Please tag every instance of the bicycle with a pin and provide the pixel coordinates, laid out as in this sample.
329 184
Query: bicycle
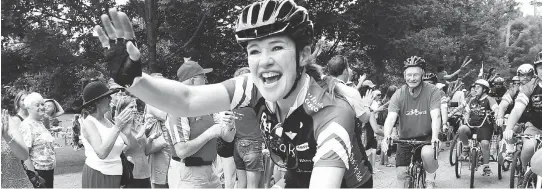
458 121
416 172
520 177
474 157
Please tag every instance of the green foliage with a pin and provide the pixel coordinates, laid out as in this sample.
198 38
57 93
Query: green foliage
48 46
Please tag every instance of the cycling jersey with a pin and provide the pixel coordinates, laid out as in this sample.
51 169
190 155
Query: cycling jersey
531 96
317 132
414 111
479 108
509 97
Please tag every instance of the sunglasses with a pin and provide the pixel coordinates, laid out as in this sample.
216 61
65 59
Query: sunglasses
277 144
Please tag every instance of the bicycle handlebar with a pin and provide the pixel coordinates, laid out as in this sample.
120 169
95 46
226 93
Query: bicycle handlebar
416 142
482 124
527 136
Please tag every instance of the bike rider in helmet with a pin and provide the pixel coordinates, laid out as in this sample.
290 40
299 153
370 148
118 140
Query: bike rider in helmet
307 131
479 112
525 73
497 89
416 106
528 102
431 78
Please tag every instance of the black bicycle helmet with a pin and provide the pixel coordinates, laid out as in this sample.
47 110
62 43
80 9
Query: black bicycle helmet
538 59
273 17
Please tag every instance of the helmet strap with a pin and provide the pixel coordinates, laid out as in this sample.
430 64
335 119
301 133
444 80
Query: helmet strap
299 71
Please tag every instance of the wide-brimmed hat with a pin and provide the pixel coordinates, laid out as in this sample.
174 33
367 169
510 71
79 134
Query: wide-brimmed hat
95 91
59 110
190 69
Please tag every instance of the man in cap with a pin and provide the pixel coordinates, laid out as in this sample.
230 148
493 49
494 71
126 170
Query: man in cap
194 139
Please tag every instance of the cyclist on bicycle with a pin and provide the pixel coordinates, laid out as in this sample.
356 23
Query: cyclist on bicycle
525 73
417 107
528 101
498 89
431 78
306 130
478 108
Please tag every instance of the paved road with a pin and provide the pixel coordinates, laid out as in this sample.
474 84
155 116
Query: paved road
70 164
385 177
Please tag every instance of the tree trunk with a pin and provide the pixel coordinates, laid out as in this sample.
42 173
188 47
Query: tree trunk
151 23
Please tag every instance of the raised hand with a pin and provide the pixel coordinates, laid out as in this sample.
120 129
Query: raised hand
316 52
124 120
362 78
466 62
121 54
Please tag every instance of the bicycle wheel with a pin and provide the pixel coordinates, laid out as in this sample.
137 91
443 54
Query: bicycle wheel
473 164
458 164
529 181
453 158
420 180
499 161
516 170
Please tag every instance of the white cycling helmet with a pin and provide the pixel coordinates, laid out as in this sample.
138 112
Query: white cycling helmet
482 82
525 69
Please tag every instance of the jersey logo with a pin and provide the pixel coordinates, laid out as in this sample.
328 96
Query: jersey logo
537 102
415 112
313 103
302 147
290 134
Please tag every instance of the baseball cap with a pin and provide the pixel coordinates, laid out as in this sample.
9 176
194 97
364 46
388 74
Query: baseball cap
190 69
368 83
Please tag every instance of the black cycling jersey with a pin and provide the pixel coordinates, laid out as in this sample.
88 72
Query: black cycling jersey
319 131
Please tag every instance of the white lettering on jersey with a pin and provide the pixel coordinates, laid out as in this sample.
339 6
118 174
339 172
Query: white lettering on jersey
302 147
415 112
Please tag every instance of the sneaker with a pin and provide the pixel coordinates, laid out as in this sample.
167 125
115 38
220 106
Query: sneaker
430 180
487 171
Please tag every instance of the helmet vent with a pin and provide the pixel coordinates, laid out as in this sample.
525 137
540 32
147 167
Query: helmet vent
245 15
285 10
255 11
269 8
297 18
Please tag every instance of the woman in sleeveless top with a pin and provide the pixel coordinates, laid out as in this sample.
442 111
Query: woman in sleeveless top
102 139
13 151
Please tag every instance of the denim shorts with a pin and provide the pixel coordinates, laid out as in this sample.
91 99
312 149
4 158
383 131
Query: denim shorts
248 155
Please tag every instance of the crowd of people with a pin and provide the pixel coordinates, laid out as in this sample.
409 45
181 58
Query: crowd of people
281 122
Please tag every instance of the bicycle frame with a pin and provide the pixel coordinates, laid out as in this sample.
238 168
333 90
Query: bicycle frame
538 146
415 169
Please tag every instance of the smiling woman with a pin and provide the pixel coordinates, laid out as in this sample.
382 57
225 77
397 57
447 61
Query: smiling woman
276 35
39 140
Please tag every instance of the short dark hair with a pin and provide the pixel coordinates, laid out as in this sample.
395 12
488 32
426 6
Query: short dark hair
337 65
440 68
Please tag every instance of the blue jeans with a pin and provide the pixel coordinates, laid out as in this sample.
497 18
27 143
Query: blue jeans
248 155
